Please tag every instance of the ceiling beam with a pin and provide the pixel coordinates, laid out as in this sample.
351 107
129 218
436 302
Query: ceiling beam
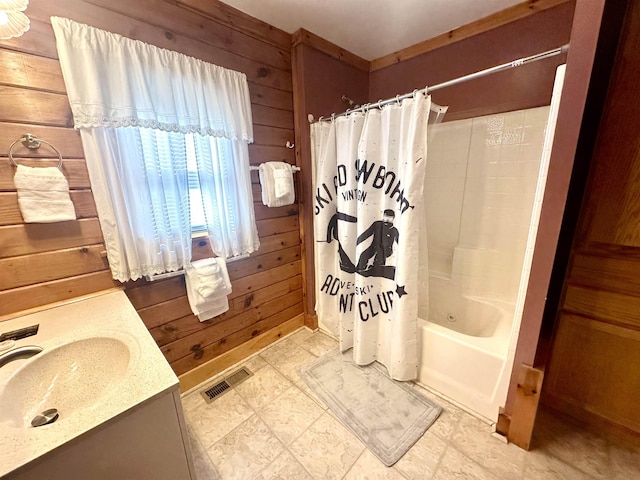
305 37
498 19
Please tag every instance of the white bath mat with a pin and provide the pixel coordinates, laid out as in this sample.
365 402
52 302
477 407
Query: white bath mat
388 416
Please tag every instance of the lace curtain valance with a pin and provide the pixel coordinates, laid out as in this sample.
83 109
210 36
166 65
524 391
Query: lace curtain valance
146 86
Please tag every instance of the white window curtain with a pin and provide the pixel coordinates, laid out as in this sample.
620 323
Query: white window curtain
143 112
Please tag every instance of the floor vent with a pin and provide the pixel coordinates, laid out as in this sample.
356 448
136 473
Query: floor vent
236 378
226 384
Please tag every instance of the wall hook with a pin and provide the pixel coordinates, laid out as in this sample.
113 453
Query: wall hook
30 141
289 144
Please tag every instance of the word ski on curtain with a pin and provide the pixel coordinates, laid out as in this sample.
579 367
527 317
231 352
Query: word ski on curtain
369 172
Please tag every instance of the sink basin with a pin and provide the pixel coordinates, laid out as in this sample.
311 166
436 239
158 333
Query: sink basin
70 378
99 368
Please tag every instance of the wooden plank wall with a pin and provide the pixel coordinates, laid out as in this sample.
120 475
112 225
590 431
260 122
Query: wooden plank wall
45 263
322 73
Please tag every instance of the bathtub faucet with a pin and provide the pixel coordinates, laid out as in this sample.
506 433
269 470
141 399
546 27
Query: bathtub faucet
19 352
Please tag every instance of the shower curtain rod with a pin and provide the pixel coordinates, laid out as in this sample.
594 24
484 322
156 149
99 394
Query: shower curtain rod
505 66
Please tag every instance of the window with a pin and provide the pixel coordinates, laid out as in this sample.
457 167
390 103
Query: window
166 141
213 198
196 208
168 153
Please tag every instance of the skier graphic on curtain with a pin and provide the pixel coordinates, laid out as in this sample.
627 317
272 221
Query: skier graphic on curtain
346 265
372 261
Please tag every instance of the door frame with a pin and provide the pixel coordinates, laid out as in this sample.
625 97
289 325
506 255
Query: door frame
594 38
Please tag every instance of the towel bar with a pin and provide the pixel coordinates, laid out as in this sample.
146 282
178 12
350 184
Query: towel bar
160 276
33 143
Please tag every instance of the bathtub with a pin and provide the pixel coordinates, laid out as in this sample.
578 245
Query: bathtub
463 347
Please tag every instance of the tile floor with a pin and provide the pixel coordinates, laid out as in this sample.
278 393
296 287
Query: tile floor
273 427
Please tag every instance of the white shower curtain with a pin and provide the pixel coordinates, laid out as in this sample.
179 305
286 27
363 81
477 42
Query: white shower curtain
368 180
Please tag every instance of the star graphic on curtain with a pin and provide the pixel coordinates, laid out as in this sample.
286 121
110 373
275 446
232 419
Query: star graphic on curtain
400 290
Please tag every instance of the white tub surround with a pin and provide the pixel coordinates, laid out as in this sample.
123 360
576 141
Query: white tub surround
533 227
464 346
480 185
104 425
482 178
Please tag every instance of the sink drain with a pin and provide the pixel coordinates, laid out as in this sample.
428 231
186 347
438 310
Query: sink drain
451 317
45 418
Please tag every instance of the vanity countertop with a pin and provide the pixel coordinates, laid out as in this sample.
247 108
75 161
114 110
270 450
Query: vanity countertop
108 315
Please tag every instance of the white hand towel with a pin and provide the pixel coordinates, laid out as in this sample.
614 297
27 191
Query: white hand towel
208 285
215 308
276 179
43 195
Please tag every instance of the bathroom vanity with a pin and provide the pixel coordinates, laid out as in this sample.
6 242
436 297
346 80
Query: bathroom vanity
108 402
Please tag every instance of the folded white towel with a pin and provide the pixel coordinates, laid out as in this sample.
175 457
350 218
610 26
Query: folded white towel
215 308
208 285
43 195
276 179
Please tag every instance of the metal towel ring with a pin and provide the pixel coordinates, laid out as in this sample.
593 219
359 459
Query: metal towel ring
32 142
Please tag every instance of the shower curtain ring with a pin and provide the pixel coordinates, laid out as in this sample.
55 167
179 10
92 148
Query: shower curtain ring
333 116
398 99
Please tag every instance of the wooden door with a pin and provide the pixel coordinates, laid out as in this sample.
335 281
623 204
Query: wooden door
594 371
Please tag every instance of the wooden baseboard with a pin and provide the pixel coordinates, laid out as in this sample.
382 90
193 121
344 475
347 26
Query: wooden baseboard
311 321
525 405
214 366
504 423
